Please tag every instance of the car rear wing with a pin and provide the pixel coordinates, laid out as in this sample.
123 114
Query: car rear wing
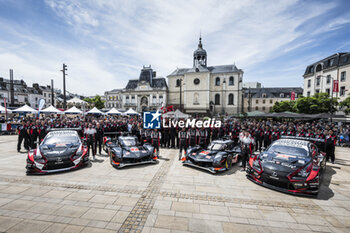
65 129
303 138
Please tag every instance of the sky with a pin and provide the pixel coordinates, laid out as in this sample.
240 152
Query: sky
106 43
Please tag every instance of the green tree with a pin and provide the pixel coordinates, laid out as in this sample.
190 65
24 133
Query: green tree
283 106
96 102
319 103
345 105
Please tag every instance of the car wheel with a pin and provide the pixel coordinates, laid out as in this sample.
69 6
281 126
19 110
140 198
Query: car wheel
228 163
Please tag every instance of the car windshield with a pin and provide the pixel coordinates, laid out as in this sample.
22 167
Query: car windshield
61 139
128 141
216 146
289 150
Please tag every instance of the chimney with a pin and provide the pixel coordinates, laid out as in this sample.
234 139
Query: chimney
12 90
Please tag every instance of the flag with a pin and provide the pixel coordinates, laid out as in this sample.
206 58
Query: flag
335 86
292 96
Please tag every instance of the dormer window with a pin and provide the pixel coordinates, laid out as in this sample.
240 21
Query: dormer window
263 95
178 82
282 95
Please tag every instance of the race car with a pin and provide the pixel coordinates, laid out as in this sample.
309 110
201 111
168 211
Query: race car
291 164
127 151
217 157
61 150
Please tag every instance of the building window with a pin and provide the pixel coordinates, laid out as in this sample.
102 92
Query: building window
346 59
331 62
282 95
154 99
318 67
44 94
109 97
231 81
217 99
161 99
342 91
264 101
263 108
230 99
309 83
343 76
311 69
317 91
256 108
196 81
318 80
178 82
328 91
328 79
217 81
127 99
263 95
308 94
196 99
271 101
257 101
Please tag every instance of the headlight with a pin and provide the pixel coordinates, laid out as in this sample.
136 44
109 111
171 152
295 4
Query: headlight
303 173
38 157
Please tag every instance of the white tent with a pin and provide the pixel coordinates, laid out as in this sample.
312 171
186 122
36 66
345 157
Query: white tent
25 109
113 111
130 112
51 109
73 110
94 111
3 110
76 100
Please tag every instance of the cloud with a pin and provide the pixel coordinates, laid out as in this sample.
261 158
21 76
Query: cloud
105 43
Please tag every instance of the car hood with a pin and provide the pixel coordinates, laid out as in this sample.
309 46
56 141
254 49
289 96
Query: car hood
282 162
135 152
204 155
50 151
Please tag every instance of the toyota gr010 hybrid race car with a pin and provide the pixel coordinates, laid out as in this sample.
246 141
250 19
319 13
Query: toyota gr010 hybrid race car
61 150
127 151
293 165
218 156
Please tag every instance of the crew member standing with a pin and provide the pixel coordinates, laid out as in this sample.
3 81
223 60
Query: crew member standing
202 137
247 143
34 132
90 134
182 141
98 138
330 146
192 136
22 132
156 137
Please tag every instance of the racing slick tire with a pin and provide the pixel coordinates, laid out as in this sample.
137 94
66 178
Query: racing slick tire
228 163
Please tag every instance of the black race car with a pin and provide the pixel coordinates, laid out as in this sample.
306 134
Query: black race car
218 156
292 164
127 151
61 150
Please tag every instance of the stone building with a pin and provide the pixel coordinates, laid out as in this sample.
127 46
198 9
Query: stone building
206 89
319 76
262 99
113 99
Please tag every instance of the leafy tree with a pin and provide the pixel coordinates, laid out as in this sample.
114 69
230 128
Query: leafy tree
96 102
319 103
283 106
345 104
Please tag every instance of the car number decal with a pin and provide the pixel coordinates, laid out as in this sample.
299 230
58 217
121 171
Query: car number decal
205 152
134 149
285 156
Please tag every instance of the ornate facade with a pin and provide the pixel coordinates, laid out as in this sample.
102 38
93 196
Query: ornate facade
206 89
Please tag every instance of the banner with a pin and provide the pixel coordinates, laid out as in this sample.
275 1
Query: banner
3 127
335 86
292 96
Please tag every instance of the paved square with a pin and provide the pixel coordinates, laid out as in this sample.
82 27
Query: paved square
165 197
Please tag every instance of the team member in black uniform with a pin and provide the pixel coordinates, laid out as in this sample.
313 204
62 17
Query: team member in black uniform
34 132
90 134
202 137
330 145
99 138
182 141
156 137
192 137
22 132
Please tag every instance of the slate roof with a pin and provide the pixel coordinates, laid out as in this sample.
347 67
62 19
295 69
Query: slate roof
156 83
340 59
211 69
272 92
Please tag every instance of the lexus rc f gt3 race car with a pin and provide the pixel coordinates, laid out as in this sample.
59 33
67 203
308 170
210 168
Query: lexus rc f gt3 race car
218 156
127 151
291 164
61 150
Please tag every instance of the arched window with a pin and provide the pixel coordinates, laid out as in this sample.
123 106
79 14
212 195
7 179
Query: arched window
231 81
178 82
230 99
217 99
217 81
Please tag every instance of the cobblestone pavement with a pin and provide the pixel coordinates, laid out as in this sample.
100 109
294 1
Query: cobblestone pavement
165 197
